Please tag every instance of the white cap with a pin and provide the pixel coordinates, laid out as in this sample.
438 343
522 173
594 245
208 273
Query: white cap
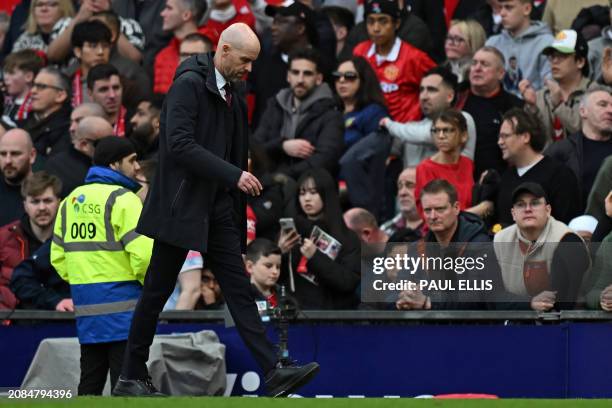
583 223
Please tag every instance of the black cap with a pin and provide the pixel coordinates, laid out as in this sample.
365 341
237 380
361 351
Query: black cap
389 7
528 187
300 11
112 149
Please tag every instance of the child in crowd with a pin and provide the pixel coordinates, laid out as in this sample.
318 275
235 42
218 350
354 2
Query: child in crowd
263 261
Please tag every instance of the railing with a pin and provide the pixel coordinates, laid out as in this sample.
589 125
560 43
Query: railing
357 316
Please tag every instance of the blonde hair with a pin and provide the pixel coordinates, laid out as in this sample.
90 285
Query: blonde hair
66 10
475 35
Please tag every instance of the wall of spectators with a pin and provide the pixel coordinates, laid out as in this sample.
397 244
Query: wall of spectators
372 122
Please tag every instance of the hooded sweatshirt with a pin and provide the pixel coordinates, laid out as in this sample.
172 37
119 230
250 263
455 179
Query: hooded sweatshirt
292 116
527 48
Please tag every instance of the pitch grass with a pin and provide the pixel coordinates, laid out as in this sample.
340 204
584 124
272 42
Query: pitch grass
237 402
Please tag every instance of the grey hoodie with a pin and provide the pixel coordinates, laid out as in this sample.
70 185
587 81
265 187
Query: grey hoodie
527 48
292 116
596 48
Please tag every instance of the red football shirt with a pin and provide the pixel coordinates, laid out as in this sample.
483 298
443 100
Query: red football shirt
400 75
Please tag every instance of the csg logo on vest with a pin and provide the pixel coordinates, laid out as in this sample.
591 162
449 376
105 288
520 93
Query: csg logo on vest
80 206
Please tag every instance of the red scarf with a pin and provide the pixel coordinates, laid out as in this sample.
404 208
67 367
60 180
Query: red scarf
449 10
77 89
272 301
26 107
119 127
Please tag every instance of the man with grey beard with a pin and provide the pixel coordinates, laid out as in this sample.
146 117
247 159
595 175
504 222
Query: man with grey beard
17 154
585 151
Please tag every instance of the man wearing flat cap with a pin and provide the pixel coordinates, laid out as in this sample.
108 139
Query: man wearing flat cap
542 260
96 249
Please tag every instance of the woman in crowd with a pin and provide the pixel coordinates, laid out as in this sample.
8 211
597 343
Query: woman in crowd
361 98
41 20
362 166
449 133
464 38
321 265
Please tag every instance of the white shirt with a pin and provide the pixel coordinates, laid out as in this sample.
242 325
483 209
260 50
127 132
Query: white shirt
221 81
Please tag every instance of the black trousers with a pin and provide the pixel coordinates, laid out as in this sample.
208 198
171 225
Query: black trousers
225 261
96 359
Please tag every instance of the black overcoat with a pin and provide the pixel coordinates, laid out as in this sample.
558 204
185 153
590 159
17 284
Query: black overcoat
193 142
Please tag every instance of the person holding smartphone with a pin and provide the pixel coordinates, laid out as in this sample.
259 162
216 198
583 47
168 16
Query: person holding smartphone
318 277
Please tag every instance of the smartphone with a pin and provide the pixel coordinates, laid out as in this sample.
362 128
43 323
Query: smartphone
287 225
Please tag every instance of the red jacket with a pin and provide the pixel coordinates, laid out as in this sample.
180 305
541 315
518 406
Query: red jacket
243 15
14 248
400 77
166 61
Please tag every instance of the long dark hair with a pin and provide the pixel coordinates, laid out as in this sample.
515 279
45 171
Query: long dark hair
369 91
331 217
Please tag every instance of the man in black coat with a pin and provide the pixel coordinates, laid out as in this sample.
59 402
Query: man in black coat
38 286
196 202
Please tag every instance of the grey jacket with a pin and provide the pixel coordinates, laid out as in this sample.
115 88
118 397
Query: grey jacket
596 47
527 48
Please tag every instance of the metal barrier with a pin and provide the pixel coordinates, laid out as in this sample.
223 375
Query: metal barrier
364 316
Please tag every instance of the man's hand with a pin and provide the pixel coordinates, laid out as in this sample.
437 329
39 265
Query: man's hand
286 241
606 65
300 148
556 96
384 122
411 300
65 305
529 94
544 301
86 10
608 204
605 299
249 184
308 248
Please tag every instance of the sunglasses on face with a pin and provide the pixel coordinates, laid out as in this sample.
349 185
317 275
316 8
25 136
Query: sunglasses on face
348 76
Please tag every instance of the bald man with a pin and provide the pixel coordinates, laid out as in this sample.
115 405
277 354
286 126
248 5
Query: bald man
17 155
198 202
71 166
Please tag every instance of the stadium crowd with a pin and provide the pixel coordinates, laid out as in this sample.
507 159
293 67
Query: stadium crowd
372 122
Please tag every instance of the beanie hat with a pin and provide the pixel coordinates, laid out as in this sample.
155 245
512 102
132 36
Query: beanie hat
112 149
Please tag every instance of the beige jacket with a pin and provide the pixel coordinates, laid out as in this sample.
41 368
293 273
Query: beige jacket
567 112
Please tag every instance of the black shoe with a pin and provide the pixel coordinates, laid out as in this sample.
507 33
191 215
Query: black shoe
136 388
282 381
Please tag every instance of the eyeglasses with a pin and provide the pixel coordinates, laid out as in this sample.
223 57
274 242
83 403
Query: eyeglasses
447 131
41 87
454 39
348 76
558 56
47 4
522 205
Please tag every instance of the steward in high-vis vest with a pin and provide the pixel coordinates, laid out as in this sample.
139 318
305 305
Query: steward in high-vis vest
96 249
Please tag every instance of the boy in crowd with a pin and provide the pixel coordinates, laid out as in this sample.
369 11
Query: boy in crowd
20 68
263 261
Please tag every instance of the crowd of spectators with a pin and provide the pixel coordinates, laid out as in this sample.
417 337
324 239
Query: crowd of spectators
372 122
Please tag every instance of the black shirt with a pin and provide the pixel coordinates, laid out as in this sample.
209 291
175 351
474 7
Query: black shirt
594 154
487 114
11 203
557 180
